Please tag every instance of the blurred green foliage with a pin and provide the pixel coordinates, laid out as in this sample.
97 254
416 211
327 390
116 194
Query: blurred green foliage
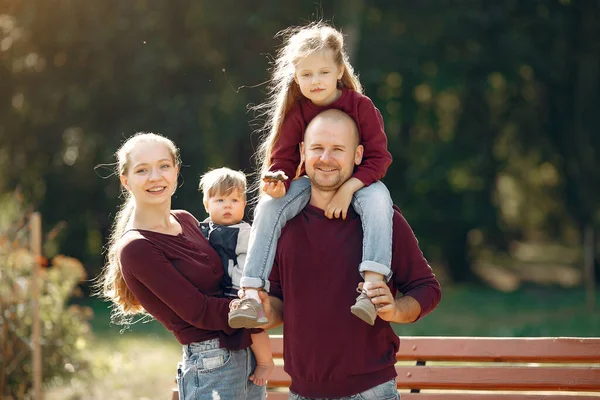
490 107
64 329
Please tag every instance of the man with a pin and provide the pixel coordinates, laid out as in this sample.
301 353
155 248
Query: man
330 353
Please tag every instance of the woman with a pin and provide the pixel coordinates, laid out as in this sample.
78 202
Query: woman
160 263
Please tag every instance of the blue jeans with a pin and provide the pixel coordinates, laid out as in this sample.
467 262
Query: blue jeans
209 372
385 391
373 203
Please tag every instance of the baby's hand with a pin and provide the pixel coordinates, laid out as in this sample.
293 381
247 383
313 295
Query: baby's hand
273 184
338 206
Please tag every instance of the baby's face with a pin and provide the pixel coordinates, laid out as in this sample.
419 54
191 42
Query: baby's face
226 209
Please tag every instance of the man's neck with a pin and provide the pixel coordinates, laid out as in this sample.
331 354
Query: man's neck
320 199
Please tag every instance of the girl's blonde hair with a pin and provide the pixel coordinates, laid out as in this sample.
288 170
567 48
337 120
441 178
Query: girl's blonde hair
221 182
111 284
298 43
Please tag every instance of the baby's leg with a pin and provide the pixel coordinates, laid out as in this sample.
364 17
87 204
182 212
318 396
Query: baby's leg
270 217
374 205
261 347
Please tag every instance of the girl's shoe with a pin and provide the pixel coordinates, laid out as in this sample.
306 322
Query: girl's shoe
363 308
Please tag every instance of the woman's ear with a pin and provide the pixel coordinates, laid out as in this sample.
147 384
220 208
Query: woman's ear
123 179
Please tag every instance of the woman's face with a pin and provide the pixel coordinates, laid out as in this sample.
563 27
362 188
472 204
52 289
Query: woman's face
151 177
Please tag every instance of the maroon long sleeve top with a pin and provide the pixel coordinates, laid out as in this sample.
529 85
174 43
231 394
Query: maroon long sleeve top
376 158
177 281
329 352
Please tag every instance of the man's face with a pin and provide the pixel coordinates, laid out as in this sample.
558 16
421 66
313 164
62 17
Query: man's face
330 151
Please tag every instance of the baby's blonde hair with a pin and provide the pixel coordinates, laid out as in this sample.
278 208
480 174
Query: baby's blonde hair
298 43
221 182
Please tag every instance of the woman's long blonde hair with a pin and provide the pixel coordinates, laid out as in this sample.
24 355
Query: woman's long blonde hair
298 42
111 285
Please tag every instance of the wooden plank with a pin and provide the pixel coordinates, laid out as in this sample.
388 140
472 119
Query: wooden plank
490 396
277 345
279 378
500 378
35 226
481 349
452 396
559 350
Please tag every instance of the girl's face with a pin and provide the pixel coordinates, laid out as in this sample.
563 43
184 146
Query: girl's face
152 174
317 75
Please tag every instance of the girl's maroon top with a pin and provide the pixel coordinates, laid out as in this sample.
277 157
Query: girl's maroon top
376 158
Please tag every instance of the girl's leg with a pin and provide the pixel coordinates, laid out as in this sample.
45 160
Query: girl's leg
374 205
269 219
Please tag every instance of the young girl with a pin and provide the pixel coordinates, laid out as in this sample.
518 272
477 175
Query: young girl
312 74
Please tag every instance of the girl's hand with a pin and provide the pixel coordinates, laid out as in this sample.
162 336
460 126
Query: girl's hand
338 206
274 189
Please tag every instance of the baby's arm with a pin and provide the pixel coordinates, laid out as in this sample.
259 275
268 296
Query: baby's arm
261 346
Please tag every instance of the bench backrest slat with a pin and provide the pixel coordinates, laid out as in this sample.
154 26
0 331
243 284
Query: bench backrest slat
500 349
429 348
578 379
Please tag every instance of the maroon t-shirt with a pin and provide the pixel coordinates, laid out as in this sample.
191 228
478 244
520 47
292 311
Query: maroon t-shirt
328 351
177 281
376 157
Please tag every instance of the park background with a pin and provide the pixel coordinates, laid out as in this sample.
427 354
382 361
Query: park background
491 111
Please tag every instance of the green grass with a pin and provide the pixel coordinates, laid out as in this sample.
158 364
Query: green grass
140 363
533 311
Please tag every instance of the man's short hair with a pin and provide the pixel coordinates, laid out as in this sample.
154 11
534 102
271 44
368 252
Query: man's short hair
222 182
336 116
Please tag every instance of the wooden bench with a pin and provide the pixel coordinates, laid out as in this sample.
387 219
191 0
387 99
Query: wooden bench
444 368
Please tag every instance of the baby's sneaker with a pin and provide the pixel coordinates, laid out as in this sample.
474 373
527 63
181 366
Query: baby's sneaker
246 313
364 308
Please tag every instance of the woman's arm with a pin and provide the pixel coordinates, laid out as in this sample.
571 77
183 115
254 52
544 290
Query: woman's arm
157 284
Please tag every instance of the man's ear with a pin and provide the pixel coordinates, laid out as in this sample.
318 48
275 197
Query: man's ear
123 179
358 154
205 205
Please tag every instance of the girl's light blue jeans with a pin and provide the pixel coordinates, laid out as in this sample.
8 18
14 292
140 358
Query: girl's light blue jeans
209 372
373 203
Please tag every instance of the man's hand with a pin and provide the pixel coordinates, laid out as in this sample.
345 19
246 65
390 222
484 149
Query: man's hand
402 310
273 310
274 189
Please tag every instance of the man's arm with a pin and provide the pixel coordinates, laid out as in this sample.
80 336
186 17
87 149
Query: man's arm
403 310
